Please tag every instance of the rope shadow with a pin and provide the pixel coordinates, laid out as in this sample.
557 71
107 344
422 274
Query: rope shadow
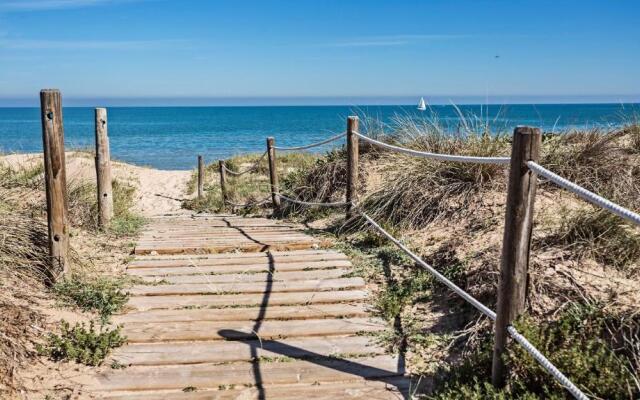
391 378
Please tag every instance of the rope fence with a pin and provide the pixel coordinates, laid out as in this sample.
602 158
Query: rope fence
312 145
585 194
435 156
252 168
518 219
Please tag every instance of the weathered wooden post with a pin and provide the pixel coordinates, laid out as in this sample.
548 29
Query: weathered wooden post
352 163
223 183
55 177
103 169
273 173
512 288
200 177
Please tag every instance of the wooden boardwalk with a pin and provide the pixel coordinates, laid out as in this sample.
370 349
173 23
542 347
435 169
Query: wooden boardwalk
246 308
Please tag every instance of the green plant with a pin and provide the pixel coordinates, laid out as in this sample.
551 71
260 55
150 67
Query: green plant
102 295
82 344
581 343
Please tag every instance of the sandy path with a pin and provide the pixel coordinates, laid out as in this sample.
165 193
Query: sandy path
158 192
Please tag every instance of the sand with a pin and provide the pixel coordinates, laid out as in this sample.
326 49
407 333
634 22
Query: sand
159 192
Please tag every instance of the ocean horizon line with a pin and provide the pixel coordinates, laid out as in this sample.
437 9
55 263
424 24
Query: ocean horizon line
320 101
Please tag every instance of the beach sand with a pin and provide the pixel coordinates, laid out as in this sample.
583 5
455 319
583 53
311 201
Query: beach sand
159 192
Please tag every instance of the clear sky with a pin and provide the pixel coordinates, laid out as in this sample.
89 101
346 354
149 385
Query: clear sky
571 50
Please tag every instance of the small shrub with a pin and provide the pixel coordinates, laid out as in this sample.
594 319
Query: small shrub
579 343
398 293
82 344
102 295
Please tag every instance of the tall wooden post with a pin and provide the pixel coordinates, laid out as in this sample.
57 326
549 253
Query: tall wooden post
273 173
512 288
200 176
223 184
352 163
103 169
55 178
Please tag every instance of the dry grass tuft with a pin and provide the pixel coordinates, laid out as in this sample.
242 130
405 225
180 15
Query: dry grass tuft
419 191
602 161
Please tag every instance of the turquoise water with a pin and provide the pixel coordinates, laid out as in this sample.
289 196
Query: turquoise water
171 137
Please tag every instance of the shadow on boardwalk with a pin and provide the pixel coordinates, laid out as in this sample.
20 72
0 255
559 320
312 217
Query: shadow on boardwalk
338 364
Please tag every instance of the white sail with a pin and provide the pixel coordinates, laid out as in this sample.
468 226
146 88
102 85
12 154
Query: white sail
422 105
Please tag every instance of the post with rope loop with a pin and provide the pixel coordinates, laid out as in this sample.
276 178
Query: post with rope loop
352 163
273 174
200 177
513 282
223 184
55 180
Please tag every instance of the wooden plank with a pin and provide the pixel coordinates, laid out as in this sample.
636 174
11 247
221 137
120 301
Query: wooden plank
235 269
293 245
204 376
242 330
300 311
249 287
239 300
230 351
228 259
391 389
250 277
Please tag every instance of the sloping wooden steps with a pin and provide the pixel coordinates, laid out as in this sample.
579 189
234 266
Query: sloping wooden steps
257 323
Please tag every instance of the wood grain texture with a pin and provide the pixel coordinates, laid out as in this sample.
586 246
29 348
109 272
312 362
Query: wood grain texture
103 168
352 163
278 324
55 179
273 173
514 270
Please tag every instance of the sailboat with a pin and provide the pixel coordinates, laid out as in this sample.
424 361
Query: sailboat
422 106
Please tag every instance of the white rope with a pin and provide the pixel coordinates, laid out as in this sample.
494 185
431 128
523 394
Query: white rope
535 353
252 168
585 194
308 146
309 203
246 205
470 299
546 364
437 156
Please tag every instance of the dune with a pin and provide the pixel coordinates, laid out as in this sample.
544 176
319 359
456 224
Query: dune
159 192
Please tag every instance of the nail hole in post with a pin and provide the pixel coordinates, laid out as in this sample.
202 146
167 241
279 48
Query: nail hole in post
50 115
56 237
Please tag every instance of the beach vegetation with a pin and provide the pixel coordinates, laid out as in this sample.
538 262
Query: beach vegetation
82 343
103 295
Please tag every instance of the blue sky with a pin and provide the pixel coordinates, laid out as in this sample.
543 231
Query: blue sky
336 50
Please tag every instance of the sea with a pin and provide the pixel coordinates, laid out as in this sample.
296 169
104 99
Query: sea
170 138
